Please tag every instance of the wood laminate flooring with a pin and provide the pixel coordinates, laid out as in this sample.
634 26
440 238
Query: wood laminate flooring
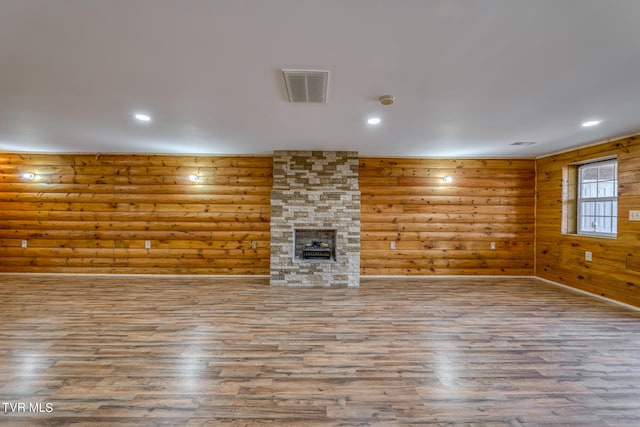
184 351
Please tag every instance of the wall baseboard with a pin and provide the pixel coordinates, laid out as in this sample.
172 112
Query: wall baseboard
451 276
221 276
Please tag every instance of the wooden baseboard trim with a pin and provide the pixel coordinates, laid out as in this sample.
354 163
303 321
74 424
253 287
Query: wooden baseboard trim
461 276
221 276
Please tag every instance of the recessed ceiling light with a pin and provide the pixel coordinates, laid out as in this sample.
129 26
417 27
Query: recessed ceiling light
591 123
373 120
142 117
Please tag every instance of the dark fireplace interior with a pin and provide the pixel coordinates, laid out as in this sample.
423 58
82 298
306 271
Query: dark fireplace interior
315 245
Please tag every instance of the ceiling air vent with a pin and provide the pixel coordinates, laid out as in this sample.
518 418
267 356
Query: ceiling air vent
306 85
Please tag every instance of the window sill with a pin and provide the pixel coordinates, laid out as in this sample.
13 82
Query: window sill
597 236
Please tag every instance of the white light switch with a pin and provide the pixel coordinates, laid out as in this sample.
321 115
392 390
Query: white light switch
147 244
392 245
634 215
492 245
588 256
24 244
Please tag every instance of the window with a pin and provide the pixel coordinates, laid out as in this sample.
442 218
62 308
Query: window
598 199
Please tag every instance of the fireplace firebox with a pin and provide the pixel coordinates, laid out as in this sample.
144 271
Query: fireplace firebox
314 245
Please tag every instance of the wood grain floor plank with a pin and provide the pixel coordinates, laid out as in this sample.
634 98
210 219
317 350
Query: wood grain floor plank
185 351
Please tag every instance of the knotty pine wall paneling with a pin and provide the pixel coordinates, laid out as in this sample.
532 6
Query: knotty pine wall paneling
447 229
93 214
614 271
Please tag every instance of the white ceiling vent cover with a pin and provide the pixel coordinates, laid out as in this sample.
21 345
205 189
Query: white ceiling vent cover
306 85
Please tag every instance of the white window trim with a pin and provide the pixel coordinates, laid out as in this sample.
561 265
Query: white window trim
580 199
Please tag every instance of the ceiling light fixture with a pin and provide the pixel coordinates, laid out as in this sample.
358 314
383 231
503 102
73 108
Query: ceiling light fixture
29 175
194 178
591 123
374 120
142 117
523 143
447 179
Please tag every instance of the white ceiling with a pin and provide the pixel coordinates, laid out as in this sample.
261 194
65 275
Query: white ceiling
469 77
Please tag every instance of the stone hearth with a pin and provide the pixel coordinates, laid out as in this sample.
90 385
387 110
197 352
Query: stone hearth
315 190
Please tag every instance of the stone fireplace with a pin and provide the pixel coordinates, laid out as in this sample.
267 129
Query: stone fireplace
315 219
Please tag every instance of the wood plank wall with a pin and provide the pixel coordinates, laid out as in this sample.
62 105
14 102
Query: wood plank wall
446 229
93 214
615 269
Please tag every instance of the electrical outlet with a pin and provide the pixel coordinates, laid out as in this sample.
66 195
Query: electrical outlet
24 244
588 256
492 245
392 245
147 244
634 215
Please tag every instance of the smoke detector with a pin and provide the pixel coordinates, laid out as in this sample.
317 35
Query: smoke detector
306 85
387 99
